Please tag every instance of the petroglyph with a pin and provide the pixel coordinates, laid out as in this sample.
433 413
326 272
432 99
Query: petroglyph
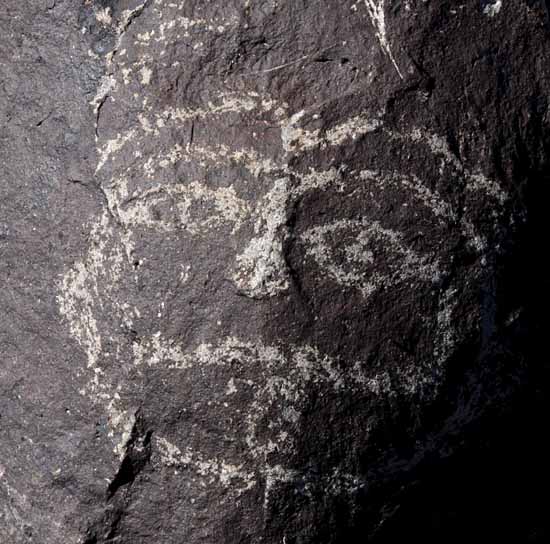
231 189
261 267
476 181
211 469
271 379
358 267
228 208
296 139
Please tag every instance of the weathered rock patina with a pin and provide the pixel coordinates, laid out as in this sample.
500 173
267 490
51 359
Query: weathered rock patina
261 261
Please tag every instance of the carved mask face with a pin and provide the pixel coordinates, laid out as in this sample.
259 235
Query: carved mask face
271 274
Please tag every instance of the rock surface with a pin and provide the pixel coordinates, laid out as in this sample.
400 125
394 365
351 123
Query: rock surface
272 271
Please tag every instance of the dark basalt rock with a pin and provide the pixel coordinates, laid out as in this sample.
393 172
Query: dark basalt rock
273 271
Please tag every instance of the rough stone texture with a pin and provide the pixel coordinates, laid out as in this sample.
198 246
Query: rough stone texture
272 271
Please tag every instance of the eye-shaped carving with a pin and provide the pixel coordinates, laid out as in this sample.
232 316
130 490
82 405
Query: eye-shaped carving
373 258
